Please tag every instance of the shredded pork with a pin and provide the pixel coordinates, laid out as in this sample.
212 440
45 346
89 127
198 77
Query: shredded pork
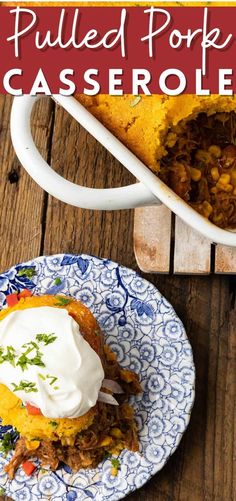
201 166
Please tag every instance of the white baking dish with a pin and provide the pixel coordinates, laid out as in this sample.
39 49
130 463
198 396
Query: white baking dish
149 191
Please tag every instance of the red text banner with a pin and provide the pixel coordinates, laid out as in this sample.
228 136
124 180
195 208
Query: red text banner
117 50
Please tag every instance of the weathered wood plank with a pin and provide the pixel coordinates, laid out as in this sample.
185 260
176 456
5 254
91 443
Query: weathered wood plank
225 259
192 254
81 159
21 199
152 238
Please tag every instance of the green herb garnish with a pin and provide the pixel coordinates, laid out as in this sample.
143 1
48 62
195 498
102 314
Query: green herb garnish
28 272
46 338
6 444
57 281
115 463
2 491
53 423
53 379
27 386
62 301
24 360
135 101
7 356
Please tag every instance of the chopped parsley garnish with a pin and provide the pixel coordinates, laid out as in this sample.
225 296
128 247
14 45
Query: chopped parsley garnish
8 355
57 281
54 424
62 301
135 101
53 379
2 491
28 272
7 443
24 360
26 386
115 463
46 338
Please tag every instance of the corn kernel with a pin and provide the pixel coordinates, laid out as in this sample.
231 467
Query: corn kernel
207 208
218 218
195 174
106 441
234 192
171 139
215 151
224 179
233 177
227 188
116 432
215 173
213 190
32 445
114 471
203 156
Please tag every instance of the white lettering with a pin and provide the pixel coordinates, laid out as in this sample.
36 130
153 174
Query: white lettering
18 34
182 82
114 81
141 78
225 82
6 82
40 85
94 84
63 79
199 90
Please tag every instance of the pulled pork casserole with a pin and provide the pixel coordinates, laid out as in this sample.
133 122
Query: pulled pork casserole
188 141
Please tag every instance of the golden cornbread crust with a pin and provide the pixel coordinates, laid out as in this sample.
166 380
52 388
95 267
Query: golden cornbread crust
146 127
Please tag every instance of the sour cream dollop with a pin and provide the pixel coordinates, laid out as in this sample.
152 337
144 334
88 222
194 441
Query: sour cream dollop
68 382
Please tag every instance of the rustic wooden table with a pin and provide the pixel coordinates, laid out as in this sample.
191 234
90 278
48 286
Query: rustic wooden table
33 223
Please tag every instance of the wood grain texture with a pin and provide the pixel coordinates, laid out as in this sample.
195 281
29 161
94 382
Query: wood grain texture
225 259
152 238
192 252
203 467
21 199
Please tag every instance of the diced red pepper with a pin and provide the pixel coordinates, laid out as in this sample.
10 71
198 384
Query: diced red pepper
28 468
12 299
32 410
25 293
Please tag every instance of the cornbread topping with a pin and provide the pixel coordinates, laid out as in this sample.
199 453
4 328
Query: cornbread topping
46 362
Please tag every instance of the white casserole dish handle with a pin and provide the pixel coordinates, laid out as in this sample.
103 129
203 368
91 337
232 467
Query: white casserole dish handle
149 191
127 197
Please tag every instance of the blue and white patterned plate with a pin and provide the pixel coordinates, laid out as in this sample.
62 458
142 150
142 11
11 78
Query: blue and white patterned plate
148 337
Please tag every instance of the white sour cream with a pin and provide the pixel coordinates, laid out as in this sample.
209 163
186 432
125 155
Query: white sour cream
69 384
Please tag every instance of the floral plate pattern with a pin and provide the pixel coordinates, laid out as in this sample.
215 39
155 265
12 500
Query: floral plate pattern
144 331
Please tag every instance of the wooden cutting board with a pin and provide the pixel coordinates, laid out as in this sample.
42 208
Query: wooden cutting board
163 243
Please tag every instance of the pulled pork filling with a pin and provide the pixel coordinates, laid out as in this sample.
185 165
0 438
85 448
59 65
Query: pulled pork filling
201 166
112 430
